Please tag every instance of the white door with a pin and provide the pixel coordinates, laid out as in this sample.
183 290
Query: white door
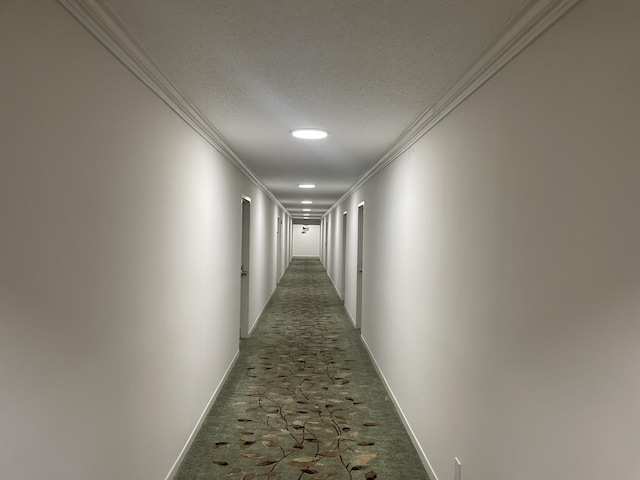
279 249
344 256
359 263
244 268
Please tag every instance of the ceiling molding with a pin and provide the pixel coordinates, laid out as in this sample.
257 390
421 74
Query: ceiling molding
531 23
104 25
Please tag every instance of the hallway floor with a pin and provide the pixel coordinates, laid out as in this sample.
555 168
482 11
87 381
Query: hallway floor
303 401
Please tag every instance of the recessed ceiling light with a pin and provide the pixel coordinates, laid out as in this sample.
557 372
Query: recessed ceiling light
309 133
306 202
306 209
306 185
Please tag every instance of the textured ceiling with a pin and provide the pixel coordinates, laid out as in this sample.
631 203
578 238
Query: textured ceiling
363 70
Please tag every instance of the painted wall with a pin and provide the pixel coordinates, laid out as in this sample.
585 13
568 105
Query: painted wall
263 267
119 260
306 244
501 266
284 254
333 256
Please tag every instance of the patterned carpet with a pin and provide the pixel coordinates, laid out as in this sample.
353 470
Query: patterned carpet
303 401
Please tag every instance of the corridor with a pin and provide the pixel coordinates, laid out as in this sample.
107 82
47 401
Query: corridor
473 200
303 400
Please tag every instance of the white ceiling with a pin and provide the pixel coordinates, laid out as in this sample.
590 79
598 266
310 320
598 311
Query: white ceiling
364 70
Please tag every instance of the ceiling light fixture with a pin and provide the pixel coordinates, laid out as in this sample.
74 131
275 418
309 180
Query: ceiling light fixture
306 209
309 133
306 185
306 202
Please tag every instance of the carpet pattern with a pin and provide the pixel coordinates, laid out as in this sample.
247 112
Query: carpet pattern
303 400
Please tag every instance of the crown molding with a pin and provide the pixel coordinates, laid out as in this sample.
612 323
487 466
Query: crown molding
530 24
535 19
96 17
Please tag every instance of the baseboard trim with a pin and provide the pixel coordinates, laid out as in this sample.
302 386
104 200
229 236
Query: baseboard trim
412 435
196 429
533 21
105 26
335 287
264 307
255 324
351 318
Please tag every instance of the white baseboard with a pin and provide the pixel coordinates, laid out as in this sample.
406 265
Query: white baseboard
351 318
343 302
412 436
194 432
335 287
255 324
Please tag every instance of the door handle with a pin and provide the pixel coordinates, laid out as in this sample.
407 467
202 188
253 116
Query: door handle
359 270
244 273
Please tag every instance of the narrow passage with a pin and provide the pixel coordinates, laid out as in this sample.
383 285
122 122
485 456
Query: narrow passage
303 401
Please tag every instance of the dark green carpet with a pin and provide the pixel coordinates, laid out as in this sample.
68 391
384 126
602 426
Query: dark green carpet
303 400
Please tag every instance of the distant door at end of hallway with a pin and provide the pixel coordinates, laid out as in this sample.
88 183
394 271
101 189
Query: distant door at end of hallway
244 267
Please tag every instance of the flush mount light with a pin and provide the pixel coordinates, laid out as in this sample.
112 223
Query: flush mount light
306 209
306 185
306 202
309 133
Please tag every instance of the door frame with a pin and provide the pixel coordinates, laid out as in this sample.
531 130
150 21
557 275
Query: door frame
245 264
359 264
343 286
278 248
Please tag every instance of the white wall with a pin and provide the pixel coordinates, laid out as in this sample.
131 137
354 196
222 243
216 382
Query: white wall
119 260
501 266
263 251
285 228
306 244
